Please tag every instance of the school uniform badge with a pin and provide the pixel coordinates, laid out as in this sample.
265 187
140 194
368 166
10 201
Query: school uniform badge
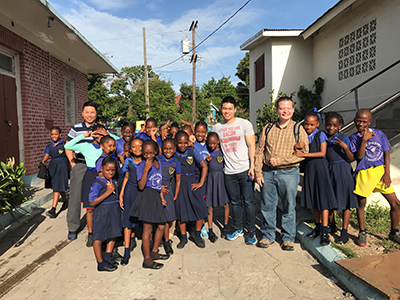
220 159
171 170
189 160
60 151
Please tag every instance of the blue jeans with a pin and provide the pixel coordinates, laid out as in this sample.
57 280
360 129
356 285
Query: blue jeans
238 185
279 184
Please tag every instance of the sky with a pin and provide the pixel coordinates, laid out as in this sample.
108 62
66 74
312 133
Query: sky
114 27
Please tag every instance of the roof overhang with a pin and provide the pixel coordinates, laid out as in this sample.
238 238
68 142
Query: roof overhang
265 34
330 14
39 23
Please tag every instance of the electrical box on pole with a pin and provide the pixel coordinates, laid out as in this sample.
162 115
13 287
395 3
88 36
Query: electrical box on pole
185 46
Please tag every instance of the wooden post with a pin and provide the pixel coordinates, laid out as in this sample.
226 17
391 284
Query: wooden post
146 75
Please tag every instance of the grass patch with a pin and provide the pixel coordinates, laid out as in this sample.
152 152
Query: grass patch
377 219
388 244
345 250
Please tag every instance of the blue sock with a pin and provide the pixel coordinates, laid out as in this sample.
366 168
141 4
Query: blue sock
127 252
102 264
183 237
107 256
325 229
318 226
90 233
197 233
344 235
210 230
226 226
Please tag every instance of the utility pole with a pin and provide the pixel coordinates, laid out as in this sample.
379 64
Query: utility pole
146 75
192 28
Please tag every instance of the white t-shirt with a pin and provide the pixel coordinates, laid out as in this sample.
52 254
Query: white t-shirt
233 144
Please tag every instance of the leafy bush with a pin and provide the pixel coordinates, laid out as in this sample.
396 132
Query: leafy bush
310 99
11 185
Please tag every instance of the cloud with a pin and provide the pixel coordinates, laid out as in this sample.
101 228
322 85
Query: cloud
111 4
121 37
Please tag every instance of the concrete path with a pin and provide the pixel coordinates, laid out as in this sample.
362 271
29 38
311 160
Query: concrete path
38 262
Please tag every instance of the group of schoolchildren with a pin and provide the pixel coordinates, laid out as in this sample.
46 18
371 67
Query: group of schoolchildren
148 180
161 175
329 184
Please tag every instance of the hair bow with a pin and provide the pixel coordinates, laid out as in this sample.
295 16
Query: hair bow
316 111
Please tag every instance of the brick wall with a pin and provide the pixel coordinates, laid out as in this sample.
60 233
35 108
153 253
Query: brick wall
42 93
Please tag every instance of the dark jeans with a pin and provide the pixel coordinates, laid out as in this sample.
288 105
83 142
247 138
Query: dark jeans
238 185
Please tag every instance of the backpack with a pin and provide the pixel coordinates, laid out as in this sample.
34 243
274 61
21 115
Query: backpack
296 130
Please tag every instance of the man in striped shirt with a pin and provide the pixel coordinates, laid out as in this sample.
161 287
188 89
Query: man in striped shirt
277 173
78 168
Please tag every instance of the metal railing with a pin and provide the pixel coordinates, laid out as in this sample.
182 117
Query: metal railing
355 89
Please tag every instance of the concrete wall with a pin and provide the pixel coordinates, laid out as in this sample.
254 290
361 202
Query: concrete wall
326 49
288 64
42 95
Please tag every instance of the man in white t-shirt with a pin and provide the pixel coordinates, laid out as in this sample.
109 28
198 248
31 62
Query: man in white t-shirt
238 146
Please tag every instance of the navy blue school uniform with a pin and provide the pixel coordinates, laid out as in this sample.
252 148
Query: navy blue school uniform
216 194
118 173
190 205
106 215
203 151
169 169
148 206
130 192
58 167
341 173
317 191
87 181
119 144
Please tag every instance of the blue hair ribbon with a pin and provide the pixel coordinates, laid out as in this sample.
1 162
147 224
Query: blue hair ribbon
316 111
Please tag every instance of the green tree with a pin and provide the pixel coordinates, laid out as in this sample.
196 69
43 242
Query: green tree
242 88
98 93
186 104
310 99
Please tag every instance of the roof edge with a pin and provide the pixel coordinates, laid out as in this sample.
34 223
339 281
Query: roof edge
268 33
326 17
77 33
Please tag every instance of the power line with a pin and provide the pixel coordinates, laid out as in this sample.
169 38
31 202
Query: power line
211 57
212 33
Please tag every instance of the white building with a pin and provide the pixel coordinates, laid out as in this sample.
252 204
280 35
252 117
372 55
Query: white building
350 42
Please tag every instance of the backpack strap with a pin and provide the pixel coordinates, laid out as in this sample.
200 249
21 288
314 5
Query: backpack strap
268 128
296 129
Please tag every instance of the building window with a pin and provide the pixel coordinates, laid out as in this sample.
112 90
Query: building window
70 100
357 51
6 64
260 73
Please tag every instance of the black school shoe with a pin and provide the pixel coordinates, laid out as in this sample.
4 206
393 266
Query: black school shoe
51 213
182 244
212 237
314 233
125 261
154 265
108 268
168 248
324 239
198 241
64 206
116 256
